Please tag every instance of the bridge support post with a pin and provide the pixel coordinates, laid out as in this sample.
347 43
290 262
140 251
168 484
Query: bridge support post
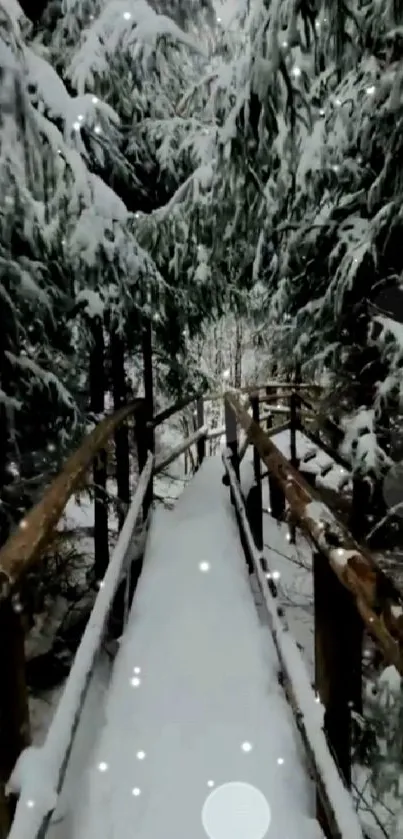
294 427
148 442
255 497
338 649
14 716
201 444
231 433
121 435
97 389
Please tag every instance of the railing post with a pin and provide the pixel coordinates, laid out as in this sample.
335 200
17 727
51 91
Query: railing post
121 435
276 496
231 433
254 502
14 715
338 649
97 391
201 444
294 425
149 435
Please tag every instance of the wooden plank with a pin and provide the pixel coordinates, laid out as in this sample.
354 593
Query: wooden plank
377 599
25 546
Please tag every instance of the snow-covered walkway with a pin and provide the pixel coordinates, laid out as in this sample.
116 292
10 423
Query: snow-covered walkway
194 701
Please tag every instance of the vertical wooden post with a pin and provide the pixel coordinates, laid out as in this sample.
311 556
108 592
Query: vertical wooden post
149 435
14 714
255 500
338 650
97 396
122 432
276 496
293 446
231 433
201 444
293 429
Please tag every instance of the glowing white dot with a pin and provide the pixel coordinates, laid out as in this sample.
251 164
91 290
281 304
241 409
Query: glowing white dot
296 71
80 118
30 803
23 524
280 761
275 575
95 100
101 583
135 682
322 112
127 15
76 126
136 791
269 509
317 25
140 755
371 89
210 783
336 167
337 102
288 537
235 810
246 747
218 20
97 129
204 566
226 375
137 670
103 766
317 697
284 44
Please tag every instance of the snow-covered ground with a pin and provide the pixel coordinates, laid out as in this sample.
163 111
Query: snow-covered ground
195 701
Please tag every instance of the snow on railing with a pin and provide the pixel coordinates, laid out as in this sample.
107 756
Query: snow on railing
335 797
39 773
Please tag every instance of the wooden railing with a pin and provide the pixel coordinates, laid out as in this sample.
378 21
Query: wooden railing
24 551
352 595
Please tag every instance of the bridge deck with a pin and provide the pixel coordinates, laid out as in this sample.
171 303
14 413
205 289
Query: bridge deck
194 699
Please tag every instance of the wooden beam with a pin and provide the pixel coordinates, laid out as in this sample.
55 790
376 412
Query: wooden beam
25 546
190 441
377 599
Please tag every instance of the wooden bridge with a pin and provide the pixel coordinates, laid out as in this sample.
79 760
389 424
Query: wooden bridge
352 594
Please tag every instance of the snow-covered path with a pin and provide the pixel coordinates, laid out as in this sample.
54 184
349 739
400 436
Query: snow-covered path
194 701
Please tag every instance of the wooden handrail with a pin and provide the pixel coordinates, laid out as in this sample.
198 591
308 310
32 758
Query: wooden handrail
377 600
336 800
56 750
166 461
25 545
176 408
